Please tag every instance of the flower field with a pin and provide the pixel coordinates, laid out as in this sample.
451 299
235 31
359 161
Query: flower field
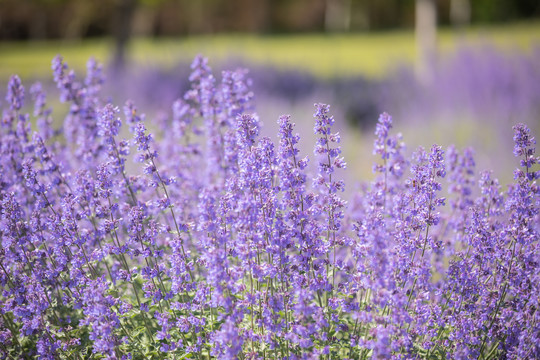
188 234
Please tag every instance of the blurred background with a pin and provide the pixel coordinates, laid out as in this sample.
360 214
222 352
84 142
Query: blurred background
448 71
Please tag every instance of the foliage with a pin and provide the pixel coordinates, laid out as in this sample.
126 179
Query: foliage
216 242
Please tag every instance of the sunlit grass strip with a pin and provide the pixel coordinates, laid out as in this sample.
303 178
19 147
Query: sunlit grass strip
368 54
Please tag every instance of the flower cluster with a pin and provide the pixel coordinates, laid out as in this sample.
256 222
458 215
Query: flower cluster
191 236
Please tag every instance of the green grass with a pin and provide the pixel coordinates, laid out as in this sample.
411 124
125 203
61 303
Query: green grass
368 54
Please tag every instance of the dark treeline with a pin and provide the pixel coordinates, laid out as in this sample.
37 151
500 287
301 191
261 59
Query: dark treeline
48 19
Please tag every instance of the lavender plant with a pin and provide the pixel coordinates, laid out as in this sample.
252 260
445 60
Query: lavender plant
189 236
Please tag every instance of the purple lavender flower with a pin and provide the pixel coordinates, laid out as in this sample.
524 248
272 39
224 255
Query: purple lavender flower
15 94
44 118
108 123
141 139
524 149
65 82
227 343
235 95
99 316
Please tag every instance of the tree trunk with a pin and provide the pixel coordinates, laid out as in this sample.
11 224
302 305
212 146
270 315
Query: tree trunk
337 15
125 10
426 39
460 12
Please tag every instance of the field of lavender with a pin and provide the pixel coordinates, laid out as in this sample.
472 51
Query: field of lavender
189 234
475 97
